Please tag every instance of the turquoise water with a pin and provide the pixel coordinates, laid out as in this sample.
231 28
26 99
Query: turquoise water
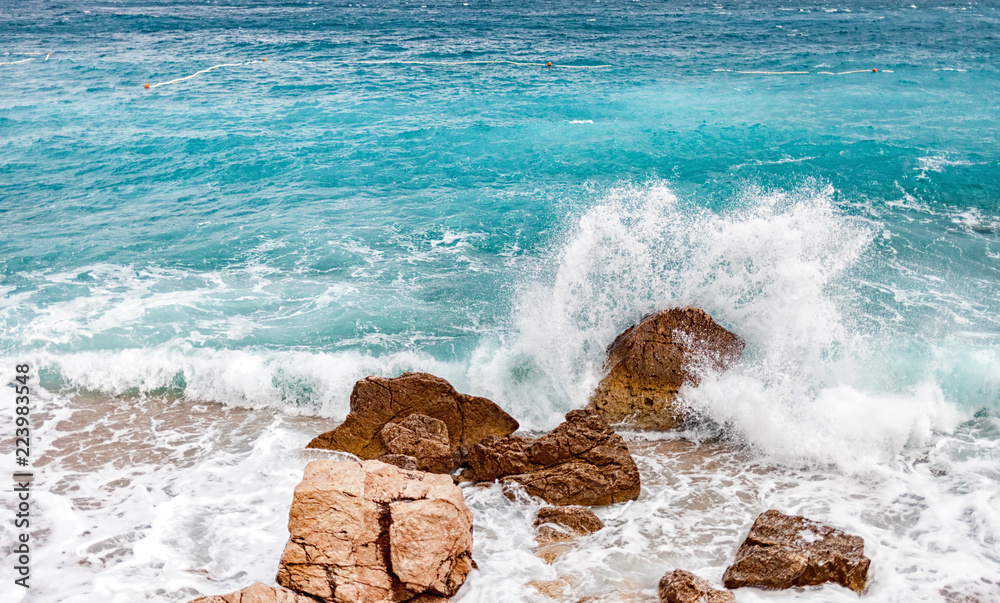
318 202
407 186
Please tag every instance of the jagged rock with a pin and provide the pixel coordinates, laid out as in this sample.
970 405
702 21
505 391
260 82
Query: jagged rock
369 532
581 462
258 593
782 551
650 361
400 460
376 401
680 586
560 524
422 438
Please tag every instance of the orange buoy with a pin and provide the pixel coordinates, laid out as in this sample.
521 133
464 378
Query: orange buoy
264 59
147 86
550 64
875 70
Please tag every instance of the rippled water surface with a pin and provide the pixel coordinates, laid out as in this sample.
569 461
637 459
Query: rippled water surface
199 271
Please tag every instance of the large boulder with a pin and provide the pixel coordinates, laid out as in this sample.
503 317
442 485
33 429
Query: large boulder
369 532
581 462
376 402
258 593
782 551
680 586
649 362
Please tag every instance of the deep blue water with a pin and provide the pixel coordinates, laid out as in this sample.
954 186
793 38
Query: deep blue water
325 212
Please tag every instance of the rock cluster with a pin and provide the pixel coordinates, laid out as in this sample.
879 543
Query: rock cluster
581 462
782 551
649 362
394 528
376 402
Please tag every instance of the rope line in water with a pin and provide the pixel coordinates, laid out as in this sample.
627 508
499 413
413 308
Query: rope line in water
16 62
774 72
394 62
197 73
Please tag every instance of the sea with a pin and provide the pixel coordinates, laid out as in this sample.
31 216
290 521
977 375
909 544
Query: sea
196 272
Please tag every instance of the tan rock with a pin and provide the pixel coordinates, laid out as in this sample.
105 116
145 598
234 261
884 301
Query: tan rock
369 532
581 462
422 438
376 401
550 552
783 551
680 586
258 593
552 589
561 524
650 361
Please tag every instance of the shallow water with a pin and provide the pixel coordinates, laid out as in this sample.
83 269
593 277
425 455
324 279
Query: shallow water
198 272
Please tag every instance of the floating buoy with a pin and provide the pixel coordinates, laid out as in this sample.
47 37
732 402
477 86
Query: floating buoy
147 86
875 70
550 64
264 59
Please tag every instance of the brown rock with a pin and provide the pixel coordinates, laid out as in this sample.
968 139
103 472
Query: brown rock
649 362
783 551
581 462
422 438
400 460
376 401
258 593
560 524
368 532
680 586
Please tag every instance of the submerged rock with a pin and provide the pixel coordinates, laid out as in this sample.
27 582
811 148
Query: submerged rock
560 524
680 586
782 551
368 532
258 593
581 462
376 402
650 361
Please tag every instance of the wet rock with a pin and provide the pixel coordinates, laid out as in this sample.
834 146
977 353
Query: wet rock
400 460
618 597
581 462
649 362
422 438
258 593
561 524
783 551
377 401
552 589
550 552
680 586
369 532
